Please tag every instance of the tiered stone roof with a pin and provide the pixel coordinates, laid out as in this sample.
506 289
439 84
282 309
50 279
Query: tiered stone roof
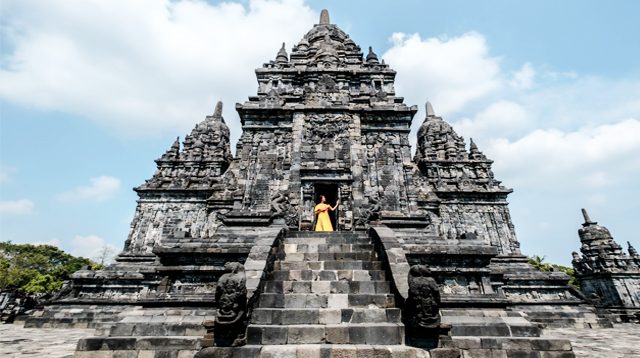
601 253
205 155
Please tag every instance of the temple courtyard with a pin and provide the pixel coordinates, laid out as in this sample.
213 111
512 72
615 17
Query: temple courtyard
16 341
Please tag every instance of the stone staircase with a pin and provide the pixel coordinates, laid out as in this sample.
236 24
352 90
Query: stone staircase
329 289
328 296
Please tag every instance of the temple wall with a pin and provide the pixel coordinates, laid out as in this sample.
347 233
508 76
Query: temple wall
384 176
629 290
158 218
489 222
613 291
326 143
266 158
604 289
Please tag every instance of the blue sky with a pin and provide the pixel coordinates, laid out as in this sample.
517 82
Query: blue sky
92 92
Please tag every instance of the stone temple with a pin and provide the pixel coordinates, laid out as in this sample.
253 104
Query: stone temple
221 259
608 277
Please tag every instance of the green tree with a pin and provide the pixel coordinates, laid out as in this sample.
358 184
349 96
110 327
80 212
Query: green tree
538 262
37 268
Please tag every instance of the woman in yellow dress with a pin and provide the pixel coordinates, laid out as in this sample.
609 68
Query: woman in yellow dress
323 222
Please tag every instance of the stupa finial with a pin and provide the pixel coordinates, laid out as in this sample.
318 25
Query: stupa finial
429 109
472 145
217 113
324 17
587 219
282 56
372 57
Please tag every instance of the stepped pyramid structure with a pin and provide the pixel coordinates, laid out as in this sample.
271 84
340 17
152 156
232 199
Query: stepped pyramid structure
226 241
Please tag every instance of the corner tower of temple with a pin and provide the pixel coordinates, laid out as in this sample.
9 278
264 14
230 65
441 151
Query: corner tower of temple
228 240
608 276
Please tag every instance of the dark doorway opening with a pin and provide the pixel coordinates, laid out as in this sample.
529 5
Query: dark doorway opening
330 192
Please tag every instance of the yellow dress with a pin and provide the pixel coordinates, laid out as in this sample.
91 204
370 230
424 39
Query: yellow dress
323 223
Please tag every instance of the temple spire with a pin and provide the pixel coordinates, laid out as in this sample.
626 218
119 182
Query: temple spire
474 152
632 250
173 152
587 219
324 17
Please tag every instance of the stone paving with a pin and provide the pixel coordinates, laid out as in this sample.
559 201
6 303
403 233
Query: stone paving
16 341
620 341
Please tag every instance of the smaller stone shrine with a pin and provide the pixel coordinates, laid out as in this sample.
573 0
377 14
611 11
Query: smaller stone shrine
608 277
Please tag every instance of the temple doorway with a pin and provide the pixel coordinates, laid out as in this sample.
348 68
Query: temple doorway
330 192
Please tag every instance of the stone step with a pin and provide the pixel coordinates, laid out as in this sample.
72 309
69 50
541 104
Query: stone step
322 240
482 329
328 275
567 317
316 248
279 316
76 322
310 300
87 346
327 287
554 322
328 265
315 350
326 234
476 344
331 256
157 329
365 333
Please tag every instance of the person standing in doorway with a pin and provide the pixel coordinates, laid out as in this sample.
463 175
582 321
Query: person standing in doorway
323 222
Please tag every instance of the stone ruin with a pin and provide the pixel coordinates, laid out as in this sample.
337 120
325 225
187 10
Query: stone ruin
608 277
326 120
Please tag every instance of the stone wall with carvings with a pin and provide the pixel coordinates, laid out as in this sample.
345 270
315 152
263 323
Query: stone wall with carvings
486 222
386 155
264 161
326 143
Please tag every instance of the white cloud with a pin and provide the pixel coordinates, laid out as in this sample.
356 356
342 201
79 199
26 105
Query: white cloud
99 189
6 173
143 66
597 179
16 207
501 118
90 246
523 78
574 159
53 242
449 72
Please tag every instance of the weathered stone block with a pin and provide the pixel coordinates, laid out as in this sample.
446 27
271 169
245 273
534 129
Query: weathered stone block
306 334
274 334
337 334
